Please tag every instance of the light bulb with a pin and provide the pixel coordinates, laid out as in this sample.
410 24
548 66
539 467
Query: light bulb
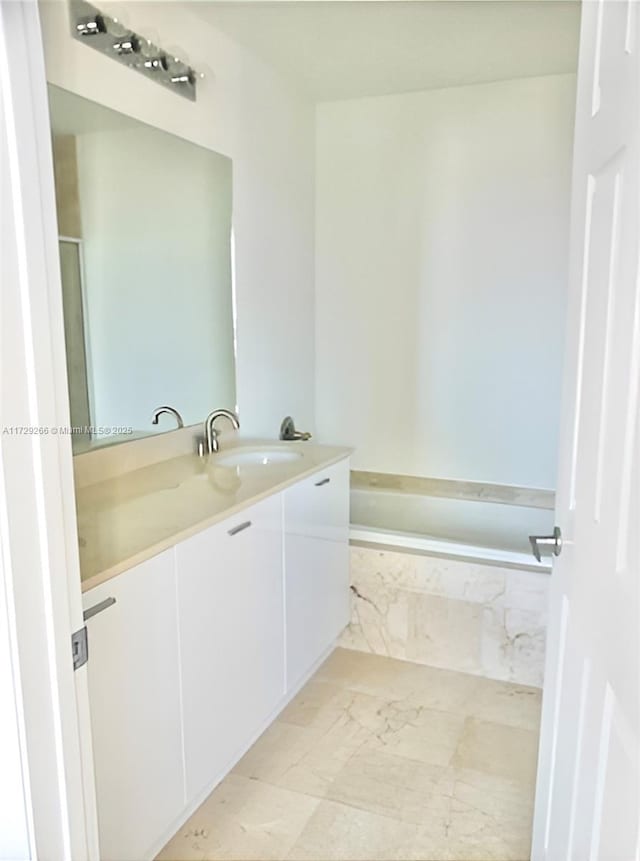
115 27
90 26
126 45
147 49
176 66
158 63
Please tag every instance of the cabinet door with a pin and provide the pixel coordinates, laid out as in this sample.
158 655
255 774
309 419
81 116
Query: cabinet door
316 525
231 618
134 693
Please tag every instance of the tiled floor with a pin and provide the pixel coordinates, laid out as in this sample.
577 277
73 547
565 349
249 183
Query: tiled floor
379 759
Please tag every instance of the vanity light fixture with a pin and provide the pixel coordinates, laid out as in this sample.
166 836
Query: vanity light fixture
111 37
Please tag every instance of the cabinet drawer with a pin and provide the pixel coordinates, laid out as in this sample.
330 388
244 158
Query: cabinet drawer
318 507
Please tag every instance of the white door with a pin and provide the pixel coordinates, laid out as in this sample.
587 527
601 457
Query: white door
39 570
588 799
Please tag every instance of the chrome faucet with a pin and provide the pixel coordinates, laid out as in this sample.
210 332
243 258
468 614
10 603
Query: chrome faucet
169 411
211 434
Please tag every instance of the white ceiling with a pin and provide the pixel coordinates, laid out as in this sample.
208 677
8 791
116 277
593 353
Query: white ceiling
343 50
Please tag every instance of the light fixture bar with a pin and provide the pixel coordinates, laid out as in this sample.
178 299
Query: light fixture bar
107 35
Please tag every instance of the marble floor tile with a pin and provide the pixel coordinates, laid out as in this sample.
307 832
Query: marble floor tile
369 673
186 845
378 758
507 703
395 680
281 746
243 820
445 690
475 817
499 750
307 759
334 747
403 727
317 701
386 785
418 733
337 832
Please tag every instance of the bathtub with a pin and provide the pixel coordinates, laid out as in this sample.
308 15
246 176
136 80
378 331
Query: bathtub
442 574
471 528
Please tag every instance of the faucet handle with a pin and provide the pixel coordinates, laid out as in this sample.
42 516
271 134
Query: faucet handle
289 433
287 428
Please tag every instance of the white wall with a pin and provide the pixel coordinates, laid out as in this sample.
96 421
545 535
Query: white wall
441 266
156 223
246 112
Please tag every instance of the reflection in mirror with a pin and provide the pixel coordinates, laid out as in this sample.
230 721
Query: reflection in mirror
144 222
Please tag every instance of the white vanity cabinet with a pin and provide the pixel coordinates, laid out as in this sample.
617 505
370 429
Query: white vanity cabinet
316 534
134 692
231 619
204 644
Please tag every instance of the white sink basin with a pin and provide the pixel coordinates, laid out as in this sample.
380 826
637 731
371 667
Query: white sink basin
257 457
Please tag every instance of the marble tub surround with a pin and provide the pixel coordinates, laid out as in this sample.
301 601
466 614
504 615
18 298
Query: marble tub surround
131 517
378 758
480 619
453 489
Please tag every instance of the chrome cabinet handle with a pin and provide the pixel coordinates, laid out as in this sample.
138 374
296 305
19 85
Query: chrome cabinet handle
90 612
239 528
553 542
322 481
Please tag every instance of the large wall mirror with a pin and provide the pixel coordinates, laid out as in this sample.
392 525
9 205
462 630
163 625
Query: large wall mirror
144 222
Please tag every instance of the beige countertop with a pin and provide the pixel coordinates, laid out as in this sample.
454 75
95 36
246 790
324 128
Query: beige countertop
129 518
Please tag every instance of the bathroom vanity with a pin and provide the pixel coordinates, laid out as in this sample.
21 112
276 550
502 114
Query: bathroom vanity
213 586
220 588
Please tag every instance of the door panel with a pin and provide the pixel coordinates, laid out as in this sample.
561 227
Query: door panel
317 588
135 709
589 767
230 606
316 527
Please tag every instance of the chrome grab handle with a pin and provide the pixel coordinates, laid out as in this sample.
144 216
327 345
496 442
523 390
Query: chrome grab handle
98 608
239 528
554 542
322 481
